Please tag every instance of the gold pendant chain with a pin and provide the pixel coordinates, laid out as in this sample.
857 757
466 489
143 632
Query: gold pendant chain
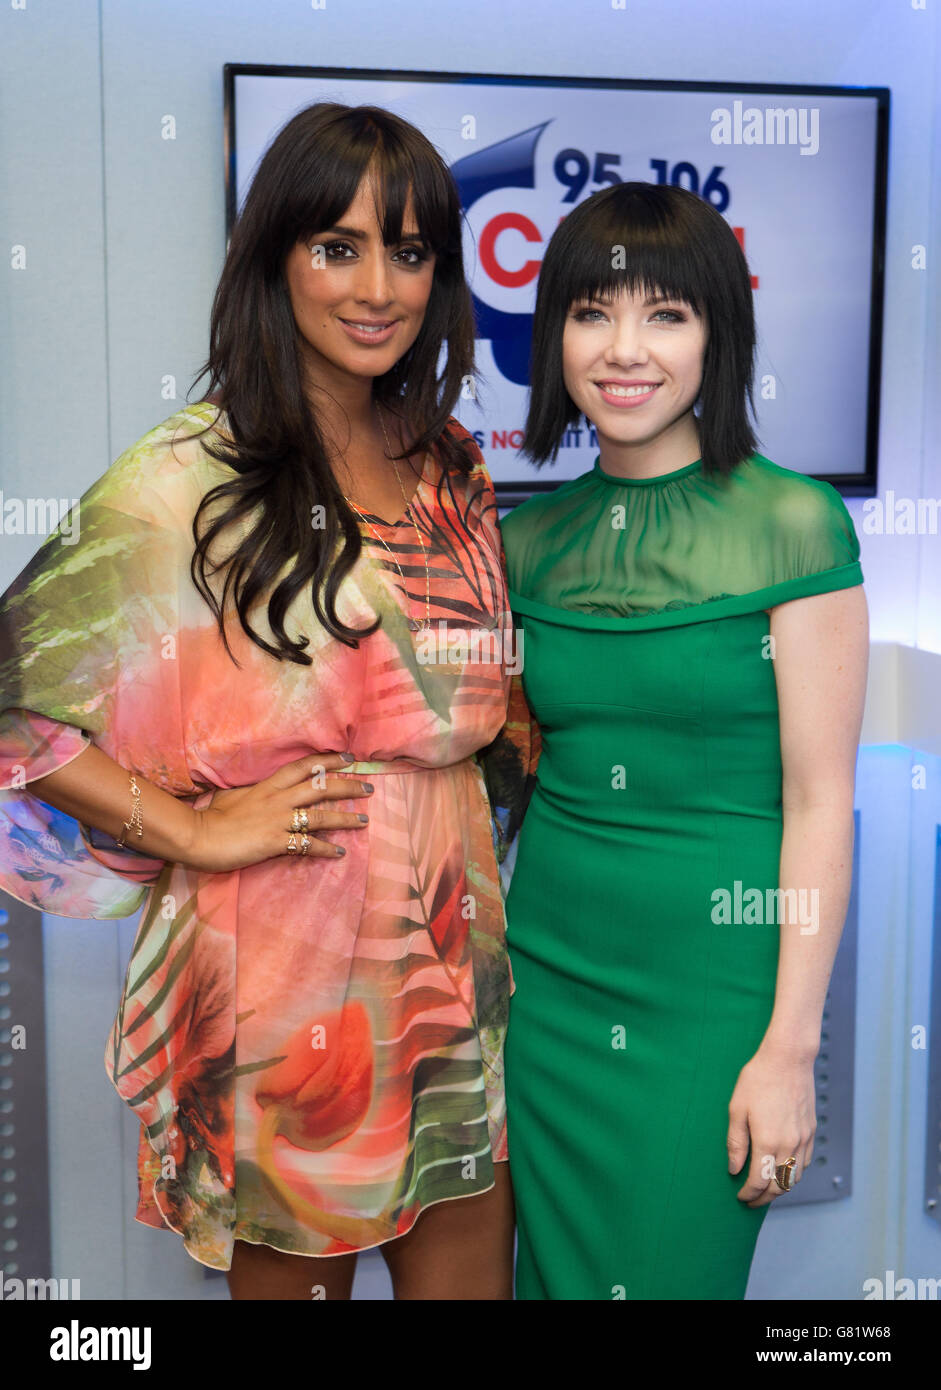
413 623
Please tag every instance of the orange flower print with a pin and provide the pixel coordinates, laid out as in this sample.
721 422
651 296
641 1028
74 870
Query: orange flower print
318 1095
322 1089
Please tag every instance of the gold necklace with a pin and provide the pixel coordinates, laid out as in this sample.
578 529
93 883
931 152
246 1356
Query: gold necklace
413 623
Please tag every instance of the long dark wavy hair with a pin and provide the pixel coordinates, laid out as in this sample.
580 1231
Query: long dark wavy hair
306 180
677 245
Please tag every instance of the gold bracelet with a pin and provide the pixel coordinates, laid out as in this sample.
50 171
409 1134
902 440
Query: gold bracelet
136 822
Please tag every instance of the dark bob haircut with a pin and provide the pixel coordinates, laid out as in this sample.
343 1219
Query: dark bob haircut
674 244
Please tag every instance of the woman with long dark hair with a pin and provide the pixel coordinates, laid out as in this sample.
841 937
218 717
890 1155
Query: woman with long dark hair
206 698
682 741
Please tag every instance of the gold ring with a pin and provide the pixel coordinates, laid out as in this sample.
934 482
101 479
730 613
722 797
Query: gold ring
299 820
305 843
292 844
784 1174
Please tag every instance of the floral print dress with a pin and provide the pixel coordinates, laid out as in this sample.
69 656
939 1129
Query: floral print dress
313 1046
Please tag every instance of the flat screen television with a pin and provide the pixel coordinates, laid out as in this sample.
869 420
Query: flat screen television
799 172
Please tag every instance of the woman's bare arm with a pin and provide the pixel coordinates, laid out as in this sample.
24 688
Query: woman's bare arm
820 651
243 826
96 791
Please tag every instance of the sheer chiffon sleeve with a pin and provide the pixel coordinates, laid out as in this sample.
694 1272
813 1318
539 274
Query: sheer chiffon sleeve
88 654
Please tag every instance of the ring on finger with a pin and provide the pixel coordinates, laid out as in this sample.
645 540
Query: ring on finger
784 1173
299 821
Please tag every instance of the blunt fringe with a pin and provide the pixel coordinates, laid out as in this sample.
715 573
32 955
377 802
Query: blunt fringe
674 244
306 180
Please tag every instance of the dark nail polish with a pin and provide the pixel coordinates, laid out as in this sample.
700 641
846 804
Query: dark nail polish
368 786
340 849
363 816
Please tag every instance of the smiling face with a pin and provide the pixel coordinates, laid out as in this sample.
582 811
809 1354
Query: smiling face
358 305
632 363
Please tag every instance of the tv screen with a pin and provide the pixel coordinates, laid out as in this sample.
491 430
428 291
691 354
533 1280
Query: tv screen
799 173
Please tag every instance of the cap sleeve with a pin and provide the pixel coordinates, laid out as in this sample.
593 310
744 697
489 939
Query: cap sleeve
812 545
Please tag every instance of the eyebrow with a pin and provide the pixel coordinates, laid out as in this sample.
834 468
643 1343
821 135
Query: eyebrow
358 235
648 303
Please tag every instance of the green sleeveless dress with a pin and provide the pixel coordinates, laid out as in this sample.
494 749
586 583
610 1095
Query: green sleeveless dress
642 744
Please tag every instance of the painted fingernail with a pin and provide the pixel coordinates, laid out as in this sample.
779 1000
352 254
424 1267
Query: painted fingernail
348 757
368 786
363 816
340 849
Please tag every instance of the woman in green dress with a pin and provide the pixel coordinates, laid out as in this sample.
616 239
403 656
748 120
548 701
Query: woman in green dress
682 741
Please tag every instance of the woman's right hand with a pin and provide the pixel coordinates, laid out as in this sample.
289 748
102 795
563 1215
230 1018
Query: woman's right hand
245 825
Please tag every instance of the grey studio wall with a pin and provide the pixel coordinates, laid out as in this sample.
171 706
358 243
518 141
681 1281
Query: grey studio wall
105 325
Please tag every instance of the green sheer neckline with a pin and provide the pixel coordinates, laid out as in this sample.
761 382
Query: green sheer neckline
618 481
614 552
682 614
